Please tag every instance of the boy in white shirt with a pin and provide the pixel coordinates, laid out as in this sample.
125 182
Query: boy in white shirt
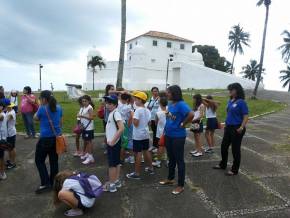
11 135
141 119
3 137
114 130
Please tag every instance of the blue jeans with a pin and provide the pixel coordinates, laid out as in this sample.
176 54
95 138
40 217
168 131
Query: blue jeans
28 123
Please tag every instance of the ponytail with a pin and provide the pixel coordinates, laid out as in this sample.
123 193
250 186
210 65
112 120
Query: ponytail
52 104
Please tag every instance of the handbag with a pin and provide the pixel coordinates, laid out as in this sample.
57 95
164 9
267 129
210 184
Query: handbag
195 126
79 128
61 143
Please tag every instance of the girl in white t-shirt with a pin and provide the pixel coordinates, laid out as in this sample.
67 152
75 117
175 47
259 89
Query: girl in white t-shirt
3 136
86 116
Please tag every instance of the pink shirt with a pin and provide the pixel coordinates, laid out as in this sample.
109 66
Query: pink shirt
26 105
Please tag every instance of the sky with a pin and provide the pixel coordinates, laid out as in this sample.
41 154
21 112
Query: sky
58 34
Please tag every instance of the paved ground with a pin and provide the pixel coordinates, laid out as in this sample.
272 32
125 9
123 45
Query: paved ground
260 190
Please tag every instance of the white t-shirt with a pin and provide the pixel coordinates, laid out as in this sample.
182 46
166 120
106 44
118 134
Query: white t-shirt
14 100
3 127
142 131
11 129
72 184
84 111
209 113
111 127
197 113
125 111
153 106
161 123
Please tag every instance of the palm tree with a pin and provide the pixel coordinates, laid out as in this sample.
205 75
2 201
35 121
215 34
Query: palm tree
286 46
237 38
122 45
267 4
251 70
286 77
96 61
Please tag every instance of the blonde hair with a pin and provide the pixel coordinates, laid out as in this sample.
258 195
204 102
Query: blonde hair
58 183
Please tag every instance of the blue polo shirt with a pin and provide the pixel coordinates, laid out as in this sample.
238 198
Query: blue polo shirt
45 127
177 114
236 110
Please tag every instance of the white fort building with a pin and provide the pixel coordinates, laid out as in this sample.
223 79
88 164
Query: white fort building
147 61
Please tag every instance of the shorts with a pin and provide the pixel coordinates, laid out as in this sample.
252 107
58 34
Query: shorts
12 141
113 154
200 129
88 135
140 145
212 124
80 204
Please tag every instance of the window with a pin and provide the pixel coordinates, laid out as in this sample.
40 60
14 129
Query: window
136 42
154 42
168 44
130 58
130 46
153 60
182 46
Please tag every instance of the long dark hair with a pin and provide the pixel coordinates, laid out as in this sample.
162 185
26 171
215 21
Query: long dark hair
239 89
47 95
198 101
213 106
176 93
88 98
108 87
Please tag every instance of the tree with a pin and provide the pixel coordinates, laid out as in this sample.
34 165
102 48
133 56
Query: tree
212 58
237 38
122 45
251 70
267 4
286 77
285 48
96 61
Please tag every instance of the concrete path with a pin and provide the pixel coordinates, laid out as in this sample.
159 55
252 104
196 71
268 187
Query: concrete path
260 190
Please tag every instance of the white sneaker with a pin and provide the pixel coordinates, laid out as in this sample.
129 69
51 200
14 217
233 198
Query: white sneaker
85 156
197 154
90 159
131 160
151 148
193 152
3 176
156 163
154 151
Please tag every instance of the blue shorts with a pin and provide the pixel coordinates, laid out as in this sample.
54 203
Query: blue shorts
88 135
113 154
140 145
12 141
211 124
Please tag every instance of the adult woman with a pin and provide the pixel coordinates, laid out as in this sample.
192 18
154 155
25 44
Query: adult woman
49 113
237 118
153 106
27 103
197 129
178 115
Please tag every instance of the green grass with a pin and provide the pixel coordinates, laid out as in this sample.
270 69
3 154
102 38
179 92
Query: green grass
71 108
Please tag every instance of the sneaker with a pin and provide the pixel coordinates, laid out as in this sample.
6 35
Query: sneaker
11 165
85 156
197 154
27 137
149 170
118 184
131 160
154 151
110 187
3 176
193 152
78 154
90 159
157 164
151 148
209 151
133 176
74 212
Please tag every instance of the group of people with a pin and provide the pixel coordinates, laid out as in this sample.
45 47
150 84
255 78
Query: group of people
127 119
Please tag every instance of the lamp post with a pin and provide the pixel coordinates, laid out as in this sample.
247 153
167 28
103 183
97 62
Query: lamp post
168 60
40 67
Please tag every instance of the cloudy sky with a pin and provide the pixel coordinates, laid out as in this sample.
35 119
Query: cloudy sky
58 34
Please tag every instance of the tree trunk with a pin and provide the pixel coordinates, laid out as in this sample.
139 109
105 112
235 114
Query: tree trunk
262 53
93 79
233 62
122 46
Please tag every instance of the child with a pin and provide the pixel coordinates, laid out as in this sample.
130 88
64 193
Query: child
211 123
78 152
14 100
86 116
3 137
69 189
114 130
161 121
141 118
197 125
11 135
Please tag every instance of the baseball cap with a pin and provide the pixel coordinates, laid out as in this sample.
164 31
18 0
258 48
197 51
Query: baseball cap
141 95
11 105
111 98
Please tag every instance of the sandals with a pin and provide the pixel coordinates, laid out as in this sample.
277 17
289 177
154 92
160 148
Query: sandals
166 182
74 212
178 190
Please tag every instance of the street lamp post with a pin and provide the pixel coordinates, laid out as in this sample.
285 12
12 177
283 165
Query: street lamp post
168 60
40 67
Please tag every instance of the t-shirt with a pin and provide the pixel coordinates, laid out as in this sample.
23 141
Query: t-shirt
26 105
5 101
177 114
88 124
72 184
209 113
125 111
14 100
161 123
236 110
142 131
11 130
45 127
153 106
111 128
197 113
3 126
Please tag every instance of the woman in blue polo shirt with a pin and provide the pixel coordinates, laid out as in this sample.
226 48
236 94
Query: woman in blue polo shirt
237 118
179 114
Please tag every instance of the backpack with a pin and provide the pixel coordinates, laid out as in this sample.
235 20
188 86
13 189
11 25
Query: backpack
124 137
90 183
101 112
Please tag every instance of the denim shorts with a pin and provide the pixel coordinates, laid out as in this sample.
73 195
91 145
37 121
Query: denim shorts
113 154
88 135
140 145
